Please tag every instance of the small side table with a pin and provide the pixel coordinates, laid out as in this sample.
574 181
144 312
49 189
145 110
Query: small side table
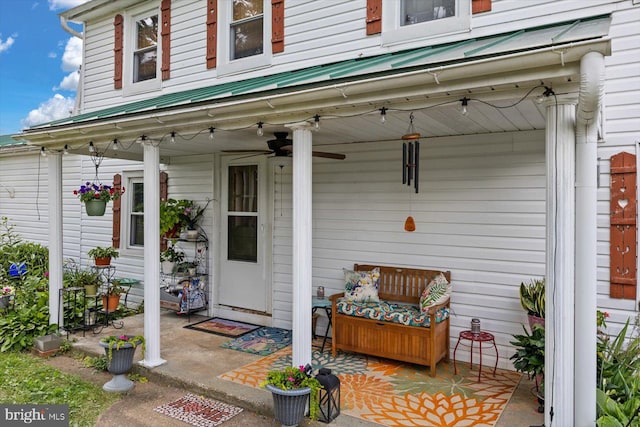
324 303
480 338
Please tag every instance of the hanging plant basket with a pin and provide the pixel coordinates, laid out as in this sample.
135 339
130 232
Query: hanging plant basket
95 207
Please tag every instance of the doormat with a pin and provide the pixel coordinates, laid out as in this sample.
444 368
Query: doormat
199 411
394 393
264 341
224 327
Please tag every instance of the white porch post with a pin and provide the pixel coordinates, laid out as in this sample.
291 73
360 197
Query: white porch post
560 261
302 243
151 255
54 166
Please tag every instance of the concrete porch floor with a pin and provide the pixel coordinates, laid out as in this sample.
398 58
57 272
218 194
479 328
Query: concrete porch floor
195 359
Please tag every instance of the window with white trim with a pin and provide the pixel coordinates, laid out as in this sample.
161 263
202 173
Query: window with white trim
133 211
244 31
142 72
407 20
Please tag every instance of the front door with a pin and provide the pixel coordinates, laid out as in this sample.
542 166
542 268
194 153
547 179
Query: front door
243 274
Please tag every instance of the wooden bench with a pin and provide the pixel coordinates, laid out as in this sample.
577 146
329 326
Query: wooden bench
420 345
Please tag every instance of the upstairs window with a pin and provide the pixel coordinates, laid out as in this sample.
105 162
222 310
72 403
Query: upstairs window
145 53
245 36
408 20
247 29
417 11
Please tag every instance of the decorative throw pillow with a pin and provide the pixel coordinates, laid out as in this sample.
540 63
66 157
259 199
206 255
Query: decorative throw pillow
361 286
436 292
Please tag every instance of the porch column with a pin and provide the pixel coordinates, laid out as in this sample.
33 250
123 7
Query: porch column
302 243
151 255
560 261
54 166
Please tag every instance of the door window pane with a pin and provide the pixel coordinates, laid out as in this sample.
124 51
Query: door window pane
243 188
146 50
247 28
416 11
243 238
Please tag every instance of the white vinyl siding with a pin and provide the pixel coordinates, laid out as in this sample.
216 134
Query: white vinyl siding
480 213
316 32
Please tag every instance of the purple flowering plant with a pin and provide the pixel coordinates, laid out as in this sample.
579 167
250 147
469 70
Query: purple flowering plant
92 191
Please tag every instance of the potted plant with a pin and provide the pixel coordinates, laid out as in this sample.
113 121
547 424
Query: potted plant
192 216
291 387
111 298
529 356
96 195
120 350
169 258
88 279
172 218
6 293
102 255
532 299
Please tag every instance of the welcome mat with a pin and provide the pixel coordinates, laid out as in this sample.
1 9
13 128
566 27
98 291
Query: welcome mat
199 411
393 393
263 341
224 327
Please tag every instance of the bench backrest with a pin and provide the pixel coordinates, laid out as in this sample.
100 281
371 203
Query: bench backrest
402 284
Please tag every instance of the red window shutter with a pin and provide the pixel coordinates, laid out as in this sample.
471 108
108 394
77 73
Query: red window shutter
165 34
164 195
478 6
277 26
212 33
117 51
374 17
117 185
622 255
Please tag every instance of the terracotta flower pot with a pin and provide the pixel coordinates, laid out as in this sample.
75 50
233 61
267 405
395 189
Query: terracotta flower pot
110 302
102 262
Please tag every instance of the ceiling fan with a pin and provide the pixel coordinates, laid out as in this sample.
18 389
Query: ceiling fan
281 146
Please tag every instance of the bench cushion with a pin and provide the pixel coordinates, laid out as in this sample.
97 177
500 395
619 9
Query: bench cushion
403 314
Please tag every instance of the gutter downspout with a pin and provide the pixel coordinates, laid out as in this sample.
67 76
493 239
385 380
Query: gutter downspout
64 23
592 77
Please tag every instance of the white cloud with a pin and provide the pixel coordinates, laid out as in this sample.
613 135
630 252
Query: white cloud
64 4
5 45
70 82
54 108
72 57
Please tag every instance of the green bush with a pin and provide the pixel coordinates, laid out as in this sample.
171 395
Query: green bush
618 394
14 250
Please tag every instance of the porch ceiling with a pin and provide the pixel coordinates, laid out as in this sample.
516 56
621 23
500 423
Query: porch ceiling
501 76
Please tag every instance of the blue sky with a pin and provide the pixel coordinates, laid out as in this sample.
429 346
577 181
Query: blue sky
38 63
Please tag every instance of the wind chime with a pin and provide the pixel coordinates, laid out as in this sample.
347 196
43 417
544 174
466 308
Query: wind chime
411 164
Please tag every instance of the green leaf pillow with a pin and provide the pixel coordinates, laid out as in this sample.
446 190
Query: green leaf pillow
436 292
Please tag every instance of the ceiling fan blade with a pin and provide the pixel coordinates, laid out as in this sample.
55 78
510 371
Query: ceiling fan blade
247 151
335 156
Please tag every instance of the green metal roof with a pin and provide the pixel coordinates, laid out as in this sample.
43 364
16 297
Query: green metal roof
391 63
6 141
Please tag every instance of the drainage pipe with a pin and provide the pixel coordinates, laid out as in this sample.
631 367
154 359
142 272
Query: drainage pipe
592 77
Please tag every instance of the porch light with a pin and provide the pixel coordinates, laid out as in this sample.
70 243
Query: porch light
43 153
66 149
211 131
260 131
116 146
316 120
173 138
547 93
383 115
328 395
92 149
463 107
